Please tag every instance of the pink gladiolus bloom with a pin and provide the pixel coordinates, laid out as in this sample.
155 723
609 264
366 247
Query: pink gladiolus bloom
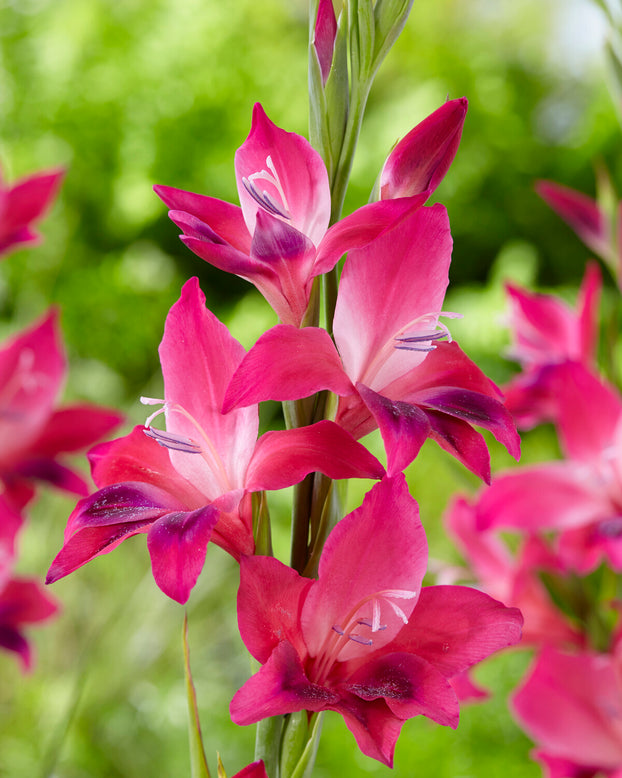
588 220
513 577
33 433
279 238
418 163
24 204
388 363
190 483
364 639
571 705
546 331
22 602
580 496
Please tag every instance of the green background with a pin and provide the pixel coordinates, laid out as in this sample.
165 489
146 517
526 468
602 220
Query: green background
129 94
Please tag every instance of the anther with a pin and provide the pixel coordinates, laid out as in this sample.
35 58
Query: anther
173 441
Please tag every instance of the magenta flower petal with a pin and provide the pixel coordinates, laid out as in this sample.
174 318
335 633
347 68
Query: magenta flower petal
456 627
287 363
225 220
177 545
22 602
285 457
281 170
571 706
253 770
76 427
460 440
580 212
324 34
265 581
418 163
23 204
556 494
279 687
384 585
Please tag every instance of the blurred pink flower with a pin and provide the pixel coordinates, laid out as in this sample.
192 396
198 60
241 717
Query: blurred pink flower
364 639
580 497
546 331
571 705
190 483
22 602
22 205
33 432
387 362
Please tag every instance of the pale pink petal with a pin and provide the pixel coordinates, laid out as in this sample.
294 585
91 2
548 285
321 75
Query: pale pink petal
290 171
199 357
385 288
356 582
553 495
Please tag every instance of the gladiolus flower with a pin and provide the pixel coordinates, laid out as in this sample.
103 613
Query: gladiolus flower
364 639
33 433
190 483
388 364
22 602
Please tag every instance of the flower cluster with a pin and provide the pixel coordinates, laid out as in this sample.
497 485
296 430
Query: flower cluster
348 627
35 434
562 568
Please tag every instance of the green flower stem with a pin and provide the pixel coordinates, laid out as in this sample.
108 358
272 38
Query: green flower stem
268 743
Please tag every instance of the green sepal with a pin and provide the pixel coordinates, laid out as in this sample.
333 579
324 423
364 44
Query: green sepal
261 524
221 769
299 744
198 762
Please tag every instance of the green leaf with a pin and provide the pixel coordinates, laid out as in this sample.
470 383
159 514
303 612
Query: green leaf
198 762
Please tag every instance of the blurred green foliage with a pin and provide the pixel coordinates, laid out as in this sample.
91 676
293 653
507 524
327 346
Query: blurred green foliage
133 93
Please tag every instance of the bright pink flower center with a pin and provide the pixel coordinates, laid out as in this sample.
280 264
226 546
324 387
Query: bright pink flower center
175 441
358 626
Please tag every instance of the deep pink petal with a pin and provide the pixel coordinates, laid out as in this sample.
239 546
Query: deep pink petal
418 163
291 255
571 706
75 427
404 428
279 687
23 601
454 627
224 219
324 34
374 726
137 457
287 363
580 212
29 198
12 639
199 357
284 457
177 545
385 289
297 184
253 770
52 472
588 303
361 227
459 439
588 411
557 494
102 521
354 575
269 601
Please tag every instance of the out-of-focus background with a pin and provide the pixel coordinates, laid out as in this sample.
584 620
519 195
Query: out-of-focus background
133 93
